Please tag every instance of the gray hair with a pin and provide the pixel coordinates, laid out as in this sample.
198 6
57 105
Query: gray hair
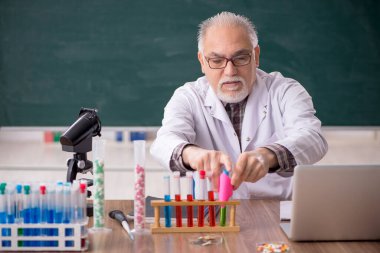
227 19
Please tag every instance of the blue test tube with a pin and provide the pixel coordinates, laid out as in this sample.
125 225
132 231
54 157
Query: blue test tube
19 218
43 212
4 213
26 212
50 203
58 203
167 199
43 204
3 205
11 201
35 212
66 203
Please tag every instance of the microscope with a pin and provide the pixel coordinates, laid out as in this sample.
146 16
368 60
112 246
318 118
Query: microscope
78 139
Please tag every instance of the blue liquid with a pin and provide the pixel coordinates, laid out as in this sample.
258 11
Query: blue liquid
50 216
3 217
11 218
35 216
27 215
80 214
44 214
168 221
58 217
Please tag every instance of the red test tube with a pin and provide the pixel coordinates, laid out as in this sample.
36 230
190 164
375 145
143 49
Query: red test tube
177 196
211 209
189 197
202 186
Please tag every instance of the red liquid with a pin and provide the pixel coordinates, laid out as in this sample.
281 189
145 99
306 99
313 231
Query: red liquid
201 213
178 211
211 210
189 211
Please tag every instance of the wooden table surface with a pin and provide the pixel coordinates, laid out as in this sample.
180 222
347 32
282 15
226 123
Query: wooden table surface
259 222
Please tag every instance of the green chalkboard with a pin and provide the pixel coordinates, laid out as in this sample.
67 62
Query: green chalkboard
126 58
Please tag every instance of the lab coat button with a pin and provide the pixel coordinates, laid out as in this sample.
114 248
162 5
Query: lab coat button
248 139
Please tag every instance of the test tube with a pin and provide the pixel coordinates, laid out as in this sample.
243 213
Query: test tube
3 204
3 213
189 197
99 216
51 198
43 204
26 203
43 212
66 203
177 197
82 209
139 198
58 215
11 204
202 187
19 218
74 201
225 192
50 203
211 209
167 209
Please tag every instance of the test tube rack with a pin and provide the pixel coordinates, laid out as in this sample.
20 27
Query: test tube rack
67 237
231 227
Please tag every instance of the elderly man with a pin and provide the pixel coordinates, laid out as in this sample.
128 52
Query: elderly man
258 126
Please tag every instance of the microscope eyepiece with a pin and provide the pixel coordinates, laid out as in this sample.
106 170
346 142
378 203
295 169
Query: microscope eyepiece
87 125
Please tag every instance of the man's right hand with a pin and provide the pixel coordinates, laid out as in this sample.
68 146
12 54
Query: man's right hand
209 160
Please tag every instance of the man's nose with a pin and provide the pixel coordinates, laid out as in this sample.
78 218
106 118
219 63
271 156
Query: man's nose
230 69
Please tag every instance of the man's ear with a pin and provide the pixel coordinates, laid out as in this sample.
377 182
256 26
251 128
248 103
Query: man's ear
257 55
201 60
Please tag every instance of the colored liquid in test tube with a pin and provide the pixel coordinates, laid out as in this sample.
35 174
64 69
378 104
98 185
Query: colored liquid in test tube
3 205
225 192
26 212
11 204
211 209
202 187
189 197
167 210
50 203
4 208
82 210
58 216
43 204
177 196
66 203
19 218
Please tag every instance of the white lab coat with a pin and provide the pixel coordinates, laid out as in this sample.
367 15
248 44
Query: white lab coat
279 110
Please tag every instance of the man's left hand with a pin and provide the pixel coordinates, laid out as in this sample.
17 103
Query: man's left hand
252 166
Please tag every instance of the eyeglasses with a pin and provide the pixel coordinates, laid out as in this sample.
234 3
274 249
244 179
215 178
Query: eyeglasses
221 62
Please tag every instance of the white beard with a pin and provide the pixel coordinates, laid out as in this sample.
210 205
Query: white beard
237 96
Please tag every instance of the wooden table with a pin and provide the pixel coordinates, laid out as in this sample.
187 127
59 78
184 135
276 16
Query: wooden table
259 222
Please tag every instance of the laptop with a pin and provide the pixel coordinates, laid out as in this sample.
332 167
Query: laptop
335 203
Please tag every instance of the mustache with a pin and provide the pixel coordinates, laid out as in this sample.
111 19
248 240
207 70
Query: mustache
231 79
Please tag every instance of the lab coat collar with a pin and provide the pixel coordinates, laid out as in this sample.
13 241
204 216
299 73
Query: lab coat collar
216 108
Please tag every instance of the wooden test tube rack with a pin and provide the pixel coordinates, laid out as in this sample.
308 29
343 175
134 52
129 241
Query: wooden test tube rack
230 227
